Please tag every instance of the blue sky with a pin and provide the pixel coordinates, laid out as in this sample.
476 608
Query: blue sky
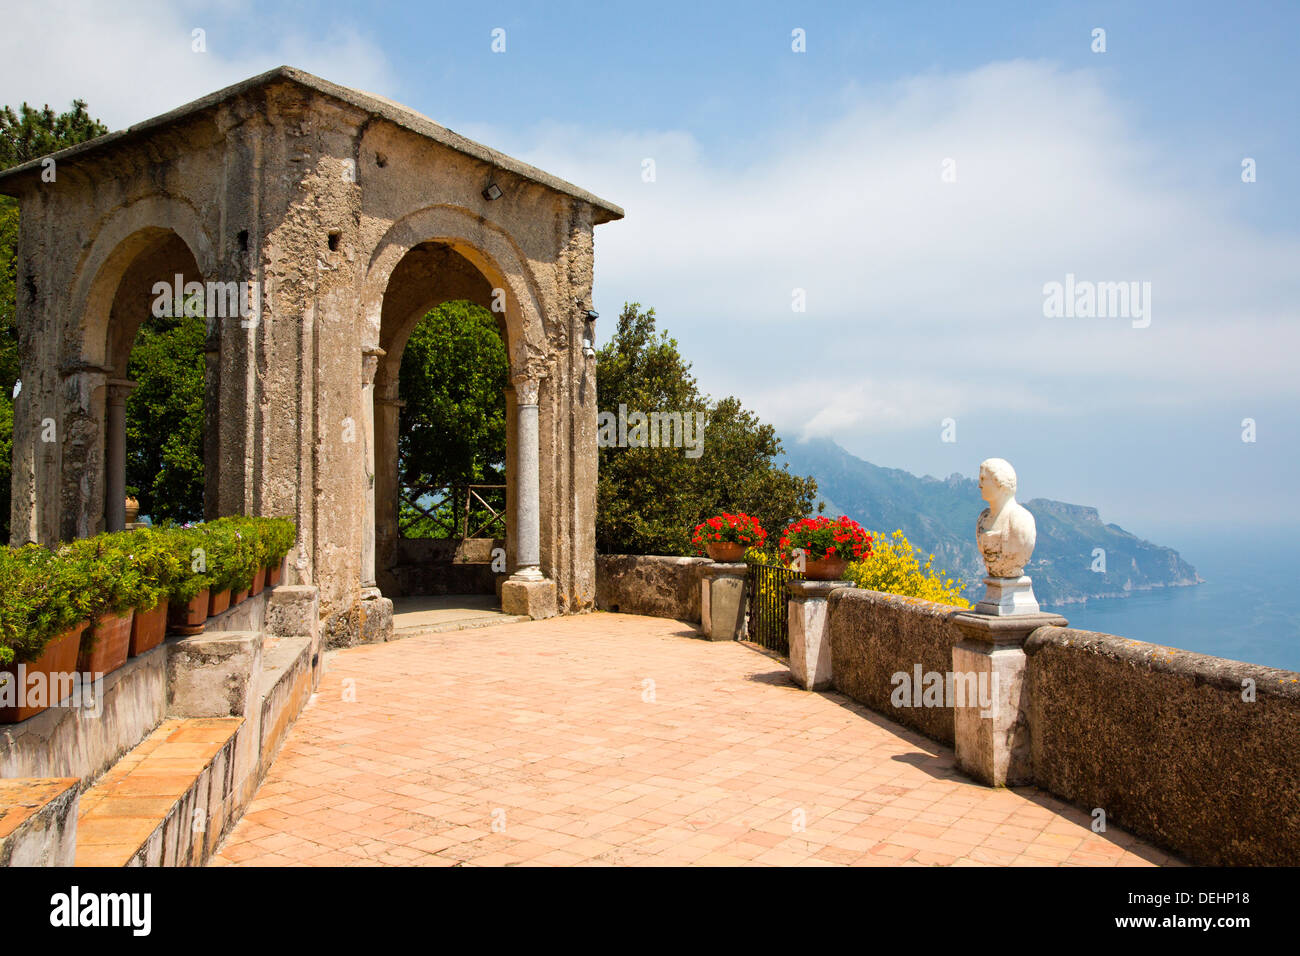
820 171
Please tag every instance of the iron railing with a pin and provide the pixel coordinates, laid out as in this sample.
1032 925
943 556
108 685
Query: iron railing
769 605
456 511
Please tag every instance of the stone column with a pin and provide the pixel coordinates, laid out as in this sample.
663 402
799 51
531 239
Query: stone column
376 611
988 665
369 363
528 522
115 454
82 437
387 414
528 591
722 601
810 632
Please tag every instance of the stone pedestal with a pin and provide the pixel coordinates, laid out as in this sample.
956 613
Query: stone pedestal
533 598
376 616
722 601
810 632
1005 597
989 720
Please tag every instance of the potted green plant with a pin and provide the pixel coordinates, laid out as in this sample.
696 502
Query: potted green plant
280 534
42 618
726 537
190 592
160 566
241 553
218 546
824 547
112 584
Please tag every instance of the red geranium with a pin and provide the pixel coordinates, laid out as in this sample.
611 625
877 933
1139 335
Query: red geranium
822 538
741 529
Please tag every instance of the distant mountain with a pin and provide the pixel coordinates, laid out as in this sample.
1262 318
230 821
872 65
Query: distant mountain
938 517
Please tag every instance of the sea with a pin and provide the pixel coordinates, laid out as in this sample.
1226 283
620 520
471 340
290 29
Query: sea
1247 609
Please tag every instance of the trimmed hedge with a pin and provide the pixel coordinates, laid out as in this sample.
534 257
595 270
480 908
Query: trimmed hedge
44 592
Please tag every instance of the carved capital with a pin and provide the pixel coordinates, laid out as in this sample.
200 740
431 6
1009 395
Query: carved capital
370 364
526 388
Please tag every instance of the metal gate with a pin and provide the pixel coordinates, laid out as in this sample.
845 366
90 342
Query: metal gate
769 605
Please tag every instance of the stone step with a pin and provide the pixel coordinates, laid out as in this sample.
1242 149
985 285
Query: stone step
37 820
488 619
165 803
284 688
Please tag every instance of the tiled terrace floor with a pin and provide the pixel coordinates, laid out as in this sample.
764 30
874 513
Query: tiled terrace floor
614 739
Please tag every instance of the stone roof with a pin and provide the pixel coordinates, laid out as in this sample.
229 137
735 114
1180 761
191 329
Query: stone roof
377 106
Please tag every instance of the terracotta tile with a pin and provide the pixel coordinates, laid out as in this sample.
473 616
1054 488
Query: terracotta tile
579 770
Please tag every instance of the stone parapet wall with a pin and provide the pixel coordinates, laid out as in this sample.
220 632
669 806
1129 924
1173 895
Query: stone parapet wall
875 636
1168 743
653 585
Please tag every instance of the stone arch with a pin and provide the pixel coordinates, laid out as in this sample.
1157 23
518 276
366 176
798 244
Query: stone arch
118 243
436 255
489 248
109 296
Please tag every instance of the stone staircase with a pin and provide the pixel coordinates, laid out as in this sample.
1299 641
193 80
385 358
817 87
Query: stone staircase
195 725
167 802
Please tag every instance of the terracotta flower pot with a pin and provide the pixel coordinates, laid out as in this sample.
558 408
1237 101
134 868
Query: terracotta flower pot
104 647
725 552
259 581
218 602
188 618
824 569
275 574
59 657
238 597
148 628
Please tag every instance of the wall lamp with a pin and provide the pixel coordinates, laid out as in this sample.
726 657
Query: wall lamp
493 191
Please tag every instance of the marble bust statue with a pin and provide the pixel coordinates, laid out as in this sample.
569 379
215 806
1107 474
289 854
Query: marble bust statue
1005 531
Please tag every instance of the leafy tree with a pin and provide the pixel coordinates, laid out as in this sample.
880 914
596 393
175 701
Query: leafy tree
30 132
453 425
649 499
165 418
24 135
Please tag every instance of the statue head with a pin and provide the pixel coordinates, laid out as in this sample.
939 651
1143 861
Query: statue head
997 481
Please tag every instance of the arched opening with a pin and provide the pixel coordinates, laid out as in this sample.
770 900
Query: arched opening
441 429
154 417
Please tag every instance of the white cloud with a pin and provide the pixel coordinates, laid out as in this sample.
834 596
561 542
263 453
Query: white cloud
911 279
134 61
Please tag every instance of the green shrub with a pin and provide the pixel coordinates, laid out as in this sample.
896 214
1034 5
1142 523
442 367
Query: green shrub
111 578
188 547
43 597
160 566
280 535
44 592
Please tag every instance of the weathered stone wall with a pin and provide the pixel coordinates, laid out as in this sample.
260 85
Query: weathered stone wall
875 636
316 194
1162 740
64 742
653 585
